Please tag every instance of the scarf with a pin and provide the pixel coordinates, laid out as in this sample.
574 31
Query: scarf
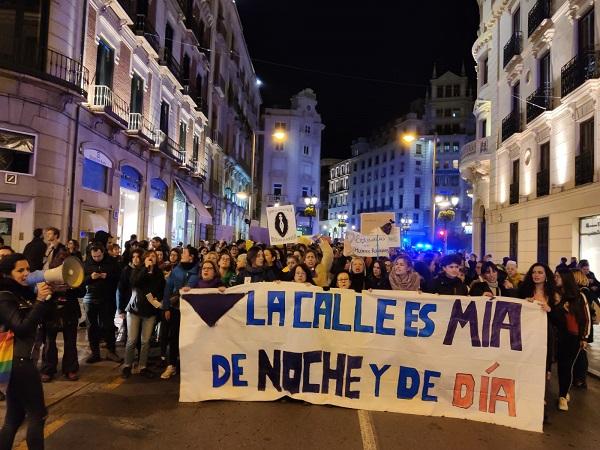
494 287
411 281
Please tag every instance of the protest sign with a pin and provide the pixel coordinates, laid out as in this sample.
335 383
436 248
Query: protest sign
282 224
371 223
408 352
357 244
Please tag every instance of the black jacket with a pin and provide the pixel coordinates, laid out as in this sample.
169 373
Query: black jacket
447 286
124 289
256 274
101 290
478 289
34 252
378 283
21 314
142 284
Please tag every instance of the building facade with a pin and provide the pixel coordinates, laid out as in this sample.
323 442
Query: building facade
291 170
122 116
338 211
534 163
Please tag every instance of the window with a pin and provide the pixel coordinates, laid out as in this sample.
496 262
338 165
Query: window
447 112
514 241
400 201
439 112
448 91
376 159
455 163
105 59
484 71
391 170
370 162
96 171
383 172
17 152
543 230
586 38
483 128
418 164
391 185
419 149
418 182
584 161
362 164
164 117
362 178
456 90
305 191
375 189
440 91
277 189
417 201
446 147
355 168
280 126
307 129
401 183
415 218
368 190
392 155
279 146
182 136
195 147
384 157
402 166
306 150
456 112
369 177
383 187
137 94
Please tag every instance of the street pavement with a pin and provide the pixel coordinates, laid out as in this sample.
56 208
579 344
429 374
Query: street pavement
102 411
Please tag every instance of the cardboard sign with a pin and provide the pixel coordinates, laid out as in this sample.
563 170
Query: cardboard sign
281 221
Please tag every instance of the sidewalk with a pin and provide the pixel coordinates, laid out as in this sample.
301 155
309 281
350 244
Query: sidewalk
594 353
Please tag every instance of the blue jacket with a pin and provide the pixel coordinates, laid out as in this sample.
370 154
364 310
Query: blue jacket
179 278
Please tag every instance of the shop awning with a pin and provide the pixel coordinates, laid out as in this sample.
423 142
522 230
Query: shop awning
193 199
92 222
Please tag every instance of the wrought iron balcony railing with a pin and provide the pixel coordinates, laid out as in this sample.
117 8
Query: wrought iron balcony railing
543 183
539 102
142 26
104 98
49 65
584 168
537 14
272 199
171 148
581 68
511 124
167 59
512 47
138 123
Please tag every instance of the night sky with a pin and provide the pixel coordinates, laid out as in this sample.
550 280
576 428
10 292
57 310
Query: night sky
388 45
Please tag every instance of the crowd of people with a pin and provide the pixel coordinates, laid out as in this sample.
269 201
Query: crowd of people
139 286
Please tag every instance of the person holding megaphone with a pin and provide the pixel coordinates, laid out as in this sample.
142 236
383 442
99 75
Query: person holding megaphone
21 312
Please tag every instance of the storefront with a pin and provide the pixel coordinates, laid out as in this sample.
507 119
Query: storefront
157 211
188 212
129 203
589 241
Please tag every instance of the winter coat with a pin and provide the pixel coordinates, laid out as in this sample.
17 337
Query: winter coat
34 252
480 287
444 285
101 290
378 283
184 274
142 284
256 275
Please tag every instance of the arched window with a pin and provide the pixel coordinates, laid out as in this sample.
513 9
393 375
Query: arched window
158 189
96 171
131 179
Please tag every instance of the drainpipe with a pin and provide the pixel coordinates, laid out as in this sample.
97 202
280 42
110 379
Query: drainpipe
76 137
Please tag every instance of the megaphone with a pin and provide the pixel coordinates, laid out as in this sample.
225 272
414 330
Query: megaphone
70 272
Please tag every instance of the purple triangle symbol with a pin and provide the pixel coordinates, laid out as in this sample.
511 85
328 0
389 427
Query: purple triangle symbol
211 307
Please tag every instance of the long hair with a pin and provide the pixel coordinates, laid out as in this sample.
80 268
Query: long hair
306 270
569 292
527 286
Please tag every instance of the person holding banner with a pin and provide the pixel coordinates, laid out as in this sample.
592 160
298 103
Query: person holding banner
378 278
21 311
403 276
491 287
255 271
226 268
358 274
342 280
301 274
209 277
448 282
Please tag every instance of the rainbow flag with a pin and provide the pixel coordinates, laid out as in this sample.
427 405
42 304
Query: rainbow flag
6 356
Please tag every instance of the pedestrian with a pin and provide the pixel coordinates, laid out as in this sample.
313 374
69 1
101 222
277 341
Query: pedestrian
35 250
54 246
594 285
101 280
73 249
448 282
226 268
302 274
286 273
124 290
184 274
403 276
271 261
341 280
320 267
513 274
358 274
148 286
572 321
209 277
255 268
563 264
378 279
491 286
581 363
21 311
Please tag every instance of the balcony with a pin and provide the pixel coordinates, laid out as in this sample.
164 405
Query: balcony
514 194
512 47
105 101
51 66
143 27
543 183
167 59
218 138
201 105
580 69
171 148
584 168
271 199
511 124
537 14
539 102
141 127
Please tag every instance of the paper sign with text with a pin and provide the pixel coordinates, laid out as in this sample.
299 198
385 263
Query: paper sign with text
407 352
282 225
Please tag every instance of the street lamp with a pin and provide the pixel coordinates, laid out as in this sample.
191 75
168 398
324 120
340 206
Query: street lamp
405 224
342 218
311 210
409 138
446 205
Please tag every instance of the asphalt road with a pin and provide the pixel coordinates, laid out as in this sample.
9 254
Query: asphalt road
102 411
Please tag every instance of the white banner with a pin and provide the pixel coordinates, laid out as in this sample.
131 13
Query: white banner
357 244
281 221
407 352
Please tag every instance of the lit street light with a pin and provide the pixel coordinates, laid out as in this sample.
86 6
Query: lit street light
342 218
446 205
311 208
405 224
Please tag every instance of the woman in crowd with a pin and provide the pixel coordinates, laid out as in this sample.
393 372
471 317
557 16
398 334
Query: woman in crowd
240 267
255 268
320 268
448 282
342 280
168 266
209 276
426 269
226 268
148 286
378 279
403 276
302 274
490 286
202 253
271 262
581 364
358 274
234 251
514 276
286 273
211 256
73 249
594 284
572 321
21 311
